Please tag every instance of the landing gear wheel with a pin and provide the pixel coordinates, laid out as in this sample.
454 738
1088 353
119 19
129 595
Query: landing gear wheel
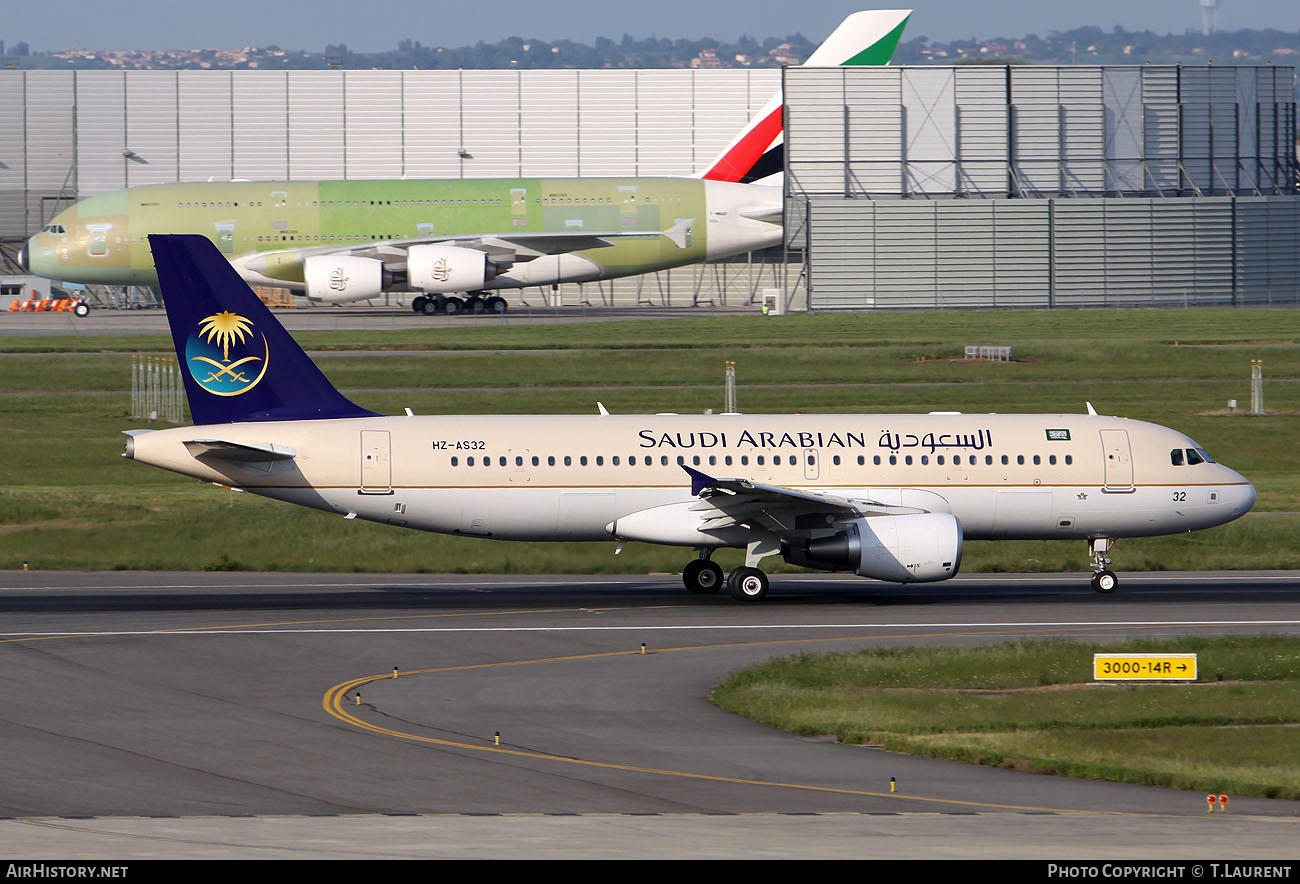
418 304
430 307
82 309
452 306
702 577
475 305
1104 581
496 304
747 585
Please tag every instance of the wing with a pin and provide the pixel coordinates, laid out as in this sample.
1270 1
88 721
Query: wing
729 503
501 248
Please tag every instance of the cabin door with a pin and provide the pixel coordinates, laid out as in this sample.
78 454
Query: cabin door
1118 461
376 465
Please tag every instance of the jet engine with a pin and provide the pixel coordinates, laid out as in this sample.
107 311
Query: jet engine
442 268
914 548
336 279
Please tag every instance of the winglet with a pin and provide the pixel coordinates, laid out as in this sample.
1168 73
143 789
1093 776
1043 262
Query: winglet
699 481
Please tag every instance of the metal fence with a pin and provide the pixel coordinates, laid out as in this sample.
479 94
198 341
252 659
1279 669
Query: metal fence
157 392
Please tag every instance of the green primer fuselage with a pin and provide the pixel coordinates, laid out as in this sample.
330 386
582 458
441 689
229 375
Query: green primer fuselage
104 238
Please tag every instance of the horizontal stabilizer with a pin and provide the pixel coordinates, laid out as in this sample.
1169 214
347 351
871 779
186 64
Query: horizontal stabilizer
239 452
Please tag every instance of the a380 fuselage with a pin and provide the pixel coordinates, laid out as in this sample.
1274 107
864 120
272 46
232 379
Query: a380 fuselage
267 228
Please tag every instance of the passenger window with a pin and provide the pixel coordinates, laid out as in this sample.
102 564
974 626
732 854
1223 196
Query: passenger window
744 460
663 460
1176 457
582 461
1051 459
614 460
939 460
502 461
469 461
1005 460
728 460
696 460
908 460
988 460
1020 459
1069 459
759 460
568 461
536 462
713 460
893 460
600 460
1037 460
550 460
835 459
454 461
519 460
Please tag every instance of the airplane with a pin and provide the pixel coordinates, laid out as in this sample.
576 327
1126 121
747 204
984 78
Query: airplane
342 241
887 496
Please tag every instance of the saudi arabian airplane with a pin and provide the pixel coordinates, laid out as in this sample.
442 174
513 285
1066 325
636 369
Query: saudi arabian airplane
341 241
890 497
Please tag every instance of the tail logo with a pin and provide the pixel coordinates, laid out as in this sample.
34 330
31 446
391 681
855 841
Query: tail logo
224 356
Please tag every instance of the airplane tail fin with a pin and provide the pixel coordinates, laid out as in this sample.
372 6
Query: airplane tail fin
239 362
864 38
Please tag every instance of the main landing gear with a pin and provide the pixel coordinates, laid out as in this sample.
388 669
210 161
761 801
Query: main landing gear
476 302
704 577
1103 579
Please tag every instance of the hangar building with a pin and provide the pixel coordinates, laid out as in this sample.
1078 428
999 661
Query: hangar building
906 186
1028 186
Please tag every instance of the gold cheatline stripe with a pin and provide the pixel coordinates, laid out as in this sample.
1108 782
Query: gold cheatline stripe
808 487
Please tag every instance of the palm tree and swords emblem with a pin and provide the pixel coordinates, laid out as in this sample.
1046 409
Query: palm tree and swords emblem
224 330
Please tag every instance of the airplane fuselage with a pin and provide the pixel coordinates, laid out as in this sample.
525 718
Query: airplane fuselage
583 477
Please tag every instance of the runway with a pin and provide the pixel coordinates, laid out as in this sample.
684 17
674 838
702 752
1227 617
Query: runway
202 714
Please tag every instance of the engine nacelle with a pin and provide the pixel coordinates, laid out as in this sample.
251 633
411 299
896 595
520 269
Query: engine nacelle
336 279
442 268
918 548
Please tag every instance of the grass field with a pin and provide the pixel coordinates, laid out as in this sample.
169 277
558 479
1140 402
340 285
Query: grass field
1031 706
68 500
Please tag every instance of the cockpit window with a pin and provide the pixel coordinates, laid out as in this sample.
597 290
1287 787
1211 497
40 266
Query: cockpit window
1176 457
53 228
1198 455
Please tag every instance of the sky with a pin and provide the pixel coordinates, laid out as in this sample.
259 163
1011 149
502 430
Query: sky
313 24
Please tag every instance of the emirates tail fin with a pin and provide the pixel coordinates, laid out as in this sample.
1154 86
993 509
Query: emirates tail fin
864 38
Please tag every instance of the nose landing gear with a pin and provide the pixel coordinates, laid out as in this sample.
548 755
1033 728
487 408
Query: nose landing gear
1103 579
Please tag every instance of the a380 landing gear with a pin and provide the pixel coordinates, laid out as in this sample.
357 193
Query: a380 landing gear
1103 579
477 302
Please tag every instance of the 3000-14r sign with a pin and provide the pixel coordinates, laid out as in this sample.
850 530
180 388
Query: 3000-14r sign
1173 667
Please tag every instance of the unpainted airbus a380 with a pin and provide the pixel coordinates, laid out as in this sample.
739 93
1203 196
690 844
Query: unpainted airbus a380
890 497
341 241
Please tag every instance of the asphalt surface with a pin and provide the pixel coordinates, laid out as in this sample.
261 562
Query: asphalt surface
351 318
200 714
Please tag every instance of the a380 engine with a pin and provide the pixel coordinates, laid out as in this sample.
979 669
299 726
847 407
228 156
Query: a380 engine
336 279
442 268
914 548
